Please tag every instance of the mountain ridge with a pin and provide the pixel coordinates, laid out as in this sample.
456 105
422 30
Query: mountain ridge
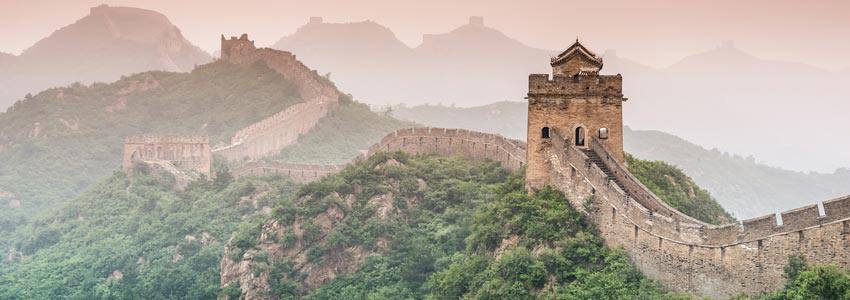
107 43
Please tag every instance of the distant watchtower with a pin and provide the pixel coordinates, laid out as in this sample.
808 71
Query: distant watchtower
577 105
233 47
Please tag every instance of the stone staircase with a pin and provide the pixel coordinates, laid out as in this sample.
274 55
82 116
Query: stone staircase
595 159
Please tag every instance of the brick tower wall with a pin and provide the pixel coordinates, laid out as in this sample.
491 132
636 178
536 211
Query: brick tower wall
565 103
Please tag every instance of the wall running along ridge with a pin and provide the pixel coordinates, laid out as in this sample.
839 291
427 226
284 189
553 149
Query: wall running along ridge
274 133
685 254
679 251
442 141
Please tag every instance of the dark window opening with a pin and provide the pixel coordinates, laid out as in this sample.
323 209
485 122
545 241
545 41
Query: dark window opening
579 136
545 132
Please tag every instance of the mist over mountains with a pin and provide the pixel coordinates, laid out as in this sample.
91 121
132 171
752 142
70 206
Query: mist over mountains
472 64
784 113
102 46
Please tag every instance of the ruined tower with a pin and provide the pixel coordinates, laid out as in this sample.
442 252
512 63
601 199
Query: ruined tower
577 105
233 46
185 153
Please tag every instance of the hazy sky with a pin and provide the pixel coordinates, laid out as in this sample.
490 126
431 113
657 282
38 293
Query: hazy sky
652 32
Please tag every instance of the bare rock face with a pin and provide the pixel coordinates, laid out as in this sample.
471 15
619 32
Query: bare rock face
280 242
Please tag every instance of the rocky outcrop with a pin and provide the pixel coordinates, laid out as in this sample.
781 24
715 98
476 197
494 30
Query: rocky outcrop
293 243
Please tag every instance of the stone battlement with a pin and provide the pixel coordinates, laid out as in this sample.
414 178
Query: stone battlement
689 255
414 141
474 145
610 86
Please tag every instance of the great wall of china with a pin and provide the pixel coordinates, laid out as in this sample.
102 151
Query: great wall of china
685 254
263 138
272 134
575 146
679 251
426 140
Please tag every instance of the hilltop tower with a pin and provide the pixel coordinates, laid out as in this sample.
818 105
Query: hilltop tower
577 105
233 46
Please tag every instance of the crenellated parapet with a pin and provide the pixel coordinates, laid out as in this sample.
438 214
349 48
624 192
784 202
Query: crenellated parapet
415 141
688 255
561 87
443 141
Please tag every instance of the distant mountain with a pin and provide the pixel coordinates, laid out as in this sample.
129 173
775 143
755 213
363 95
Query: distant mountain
743 186
505 118
368 60
785 113
473 64
106 44
788 113
349 52
5 57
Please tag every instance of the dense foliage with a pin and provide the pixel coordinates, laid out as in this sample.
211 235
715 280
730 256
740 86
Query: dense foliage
678 190
810 282
432 200
136 238
57 143
471 231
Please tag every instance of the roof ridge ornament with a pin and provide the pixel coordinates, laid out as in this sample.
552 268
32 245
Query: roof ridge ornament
586 59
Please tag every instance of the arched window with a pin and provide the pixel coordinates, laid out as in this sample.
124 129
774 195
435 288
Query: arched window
545 133
603 133
579 136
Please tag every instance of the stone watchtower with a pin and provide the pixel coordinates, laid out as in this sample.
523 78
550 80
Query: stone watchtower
576 105
234 47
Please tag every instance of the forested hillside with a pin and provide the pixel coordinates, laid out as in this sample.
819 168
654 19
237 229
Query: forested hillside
678 190
393 226
135 238
401 227
55 144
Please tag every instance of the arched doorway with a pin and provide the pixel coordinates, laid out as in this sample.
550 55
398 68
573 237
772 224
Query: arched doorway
545 132
579 138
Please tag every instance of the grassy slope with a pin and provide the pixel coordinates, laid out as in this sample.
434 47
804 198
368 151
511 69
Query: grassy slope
678 190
